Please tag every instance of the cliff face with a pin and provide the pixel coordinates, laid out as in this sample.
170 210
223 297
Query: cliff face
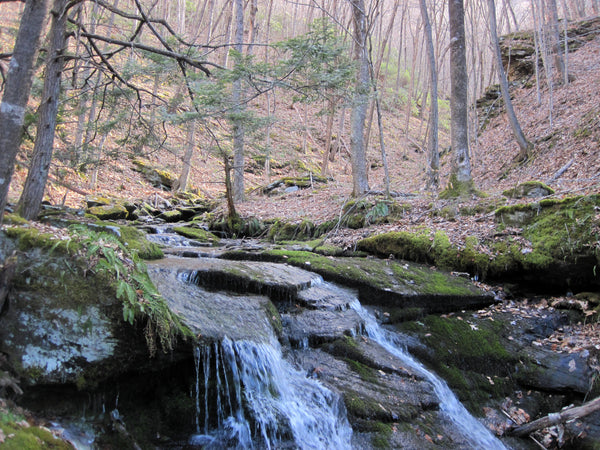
518 49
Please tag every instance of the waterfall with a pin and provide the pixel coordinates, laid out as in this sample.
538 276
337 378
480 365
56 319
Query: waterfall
477 434
248 396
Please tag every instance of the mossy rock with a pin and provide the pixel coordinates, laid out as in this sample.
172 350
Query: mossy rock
157 177
171 216
529 189
390 283
134 240
31 238
20 436
109 212
197 234
281 231
13 219
97 200
467 356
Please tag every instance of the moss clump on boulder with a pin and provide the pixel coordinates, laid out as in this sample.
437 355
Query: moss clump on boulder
560 237
109 212
157 177
171 216
197 234
30 238
529 189
286 231
133 239
19 435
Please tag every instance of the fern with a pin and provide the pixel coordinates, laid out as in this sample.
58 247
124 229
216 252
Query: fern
140 298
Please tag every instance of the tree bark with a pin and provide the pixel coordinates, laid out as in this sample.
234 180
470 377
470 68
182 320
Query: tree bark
460 175
433 155
187 158
524 144
361 99
555 33
238 126
35 184
556 418
17 89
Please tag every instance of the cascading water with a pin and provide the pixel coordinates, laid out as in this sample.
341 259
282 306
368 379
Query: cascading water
248 396
478 435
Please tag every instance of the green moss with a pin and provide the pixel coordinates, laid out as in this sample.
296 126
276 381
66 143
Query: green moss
109 212
397 315
14 219
365 373
471 358
274 317
459 189
364 408
171 216
158 177
525 190
401 244
135 240
198 234
30 238
363 272
18 437
324 228
284 231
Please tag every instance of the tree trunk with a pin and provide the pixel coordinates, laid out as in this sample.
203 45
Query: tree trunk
556 418
555 33
461 180
524 144
361 99
35 184
16 91
328 135
187 158
238 126
433 155
383 43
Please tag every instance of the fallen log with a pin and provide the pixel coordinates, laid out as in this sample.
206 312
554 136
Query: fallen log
551 419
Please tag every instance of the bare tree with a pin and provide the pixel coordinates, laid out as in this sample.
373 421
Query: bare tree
433 155
524 144
361 100
35 183
461 180
17 89
237 125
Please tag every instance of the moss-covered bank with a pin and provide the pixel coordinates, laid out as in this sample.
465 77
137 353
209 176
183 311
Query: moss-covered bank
558 246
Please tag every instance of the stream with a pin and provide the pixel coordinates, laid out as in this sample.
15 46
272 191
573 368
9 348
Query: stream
249 396
471 428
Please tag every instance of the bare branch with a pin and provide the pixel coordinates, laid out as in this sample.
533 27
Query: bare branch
170 54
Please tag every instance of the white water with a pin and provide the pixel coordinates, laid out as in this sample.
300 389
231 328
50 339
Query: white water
477 434
248 396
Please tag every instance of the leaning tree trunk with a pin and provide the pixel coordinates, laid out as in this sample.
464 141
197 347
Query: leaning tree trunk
461 180
17 89
524 144
35 184
361 99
